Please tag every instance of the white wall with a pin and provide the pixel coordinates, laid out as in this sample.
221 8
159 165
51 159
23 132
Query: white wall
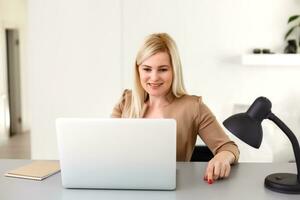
13 15
81 54
74 64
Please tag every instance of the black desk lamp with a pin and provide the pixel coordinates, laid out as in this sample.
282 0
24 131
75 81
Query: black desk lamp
247 127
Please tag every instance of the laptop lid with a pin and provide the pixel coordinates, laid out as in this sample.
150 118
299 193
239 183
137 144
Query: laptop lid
117 153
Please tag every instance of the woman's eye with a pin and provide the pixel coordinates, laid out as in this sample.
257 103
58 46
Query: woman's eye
147 69
163 70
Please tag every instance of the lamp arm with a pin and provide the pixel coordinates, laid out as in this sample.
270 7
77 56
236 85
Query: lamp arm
292 138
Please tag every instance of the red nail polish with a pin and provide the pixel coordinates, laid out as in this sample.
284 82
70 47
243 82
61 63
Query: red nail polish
210 181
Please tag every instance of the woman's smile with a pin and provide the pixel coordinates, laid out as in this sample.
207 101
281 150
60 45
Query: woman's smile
155 85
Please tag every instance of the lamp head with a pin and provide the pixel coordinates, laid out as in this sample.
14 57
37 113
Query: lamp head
247 126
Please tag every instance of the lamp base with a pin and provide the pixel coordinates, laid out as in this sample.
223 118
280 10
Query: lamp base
283 182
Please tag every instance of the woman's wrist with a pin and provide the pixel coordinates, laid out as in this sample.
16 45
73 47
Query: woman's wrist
228 155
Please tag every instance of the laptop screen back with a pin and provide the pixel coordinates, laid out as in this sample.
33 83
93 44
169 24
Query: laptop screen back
117 153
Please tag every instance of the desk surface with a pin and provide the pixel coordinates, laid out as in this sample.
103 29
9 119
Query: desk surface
246 182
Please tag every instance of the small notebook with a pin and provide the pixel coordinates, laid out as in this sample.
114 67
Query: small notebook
37 170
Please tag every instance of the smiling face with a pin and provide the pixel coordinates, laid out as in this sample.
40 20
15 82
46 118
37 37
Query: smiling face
156 74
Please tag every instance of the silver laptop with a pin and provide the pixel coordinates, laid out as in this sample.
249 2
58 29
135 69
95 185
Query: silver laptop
117 153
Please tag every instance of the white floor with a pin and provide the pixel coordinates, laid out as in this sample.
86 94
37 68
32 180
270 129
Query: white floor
16 147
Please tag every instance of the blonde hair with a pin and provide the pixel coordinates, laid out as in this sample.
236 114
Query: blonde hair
155 43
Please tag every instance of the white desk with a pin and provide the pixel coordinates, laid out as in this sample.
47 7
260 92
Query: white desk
246 182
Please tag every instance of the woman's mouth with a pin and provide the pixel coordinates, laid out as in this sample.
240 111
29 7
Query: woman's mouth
154 85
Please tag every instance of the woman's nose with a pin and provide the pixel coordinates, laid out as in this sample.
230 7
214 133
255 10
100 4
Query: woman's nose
154 76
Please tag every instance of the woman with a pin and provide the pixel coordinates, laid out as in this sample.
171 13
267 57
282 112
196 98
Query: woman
159 93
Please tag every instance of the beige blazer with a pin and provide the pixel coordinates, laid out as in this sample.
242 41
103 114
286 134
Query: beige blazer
193 118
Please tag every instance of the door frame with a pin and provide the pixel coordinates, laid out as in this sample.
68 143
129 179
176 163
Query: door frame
4 99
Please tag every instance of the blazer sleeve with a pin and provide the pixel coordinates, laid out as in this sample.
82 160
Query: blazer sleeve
212 133
119 107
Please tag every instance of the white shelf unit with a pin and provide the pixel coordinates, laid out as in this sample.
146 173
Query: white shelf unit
271 59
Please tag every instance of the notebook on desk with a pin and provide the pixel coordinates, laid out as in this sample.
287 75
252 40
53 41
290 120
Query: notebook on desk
36 170
117 153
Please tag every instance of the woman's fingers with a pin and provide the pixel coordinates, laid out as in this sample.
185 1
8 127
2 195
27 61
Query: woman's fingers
209 172
223 171
216 170
227 171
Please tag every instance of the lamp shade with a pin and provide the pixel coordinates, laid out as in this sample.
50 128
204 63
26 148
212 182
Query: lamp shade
245 128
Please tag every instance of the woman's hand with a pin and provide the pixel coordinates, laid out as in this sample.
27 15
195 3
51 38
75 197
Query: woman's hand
219 166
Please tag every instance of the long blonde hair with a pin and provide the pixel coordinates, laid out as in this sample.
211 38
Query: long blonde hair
155 43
